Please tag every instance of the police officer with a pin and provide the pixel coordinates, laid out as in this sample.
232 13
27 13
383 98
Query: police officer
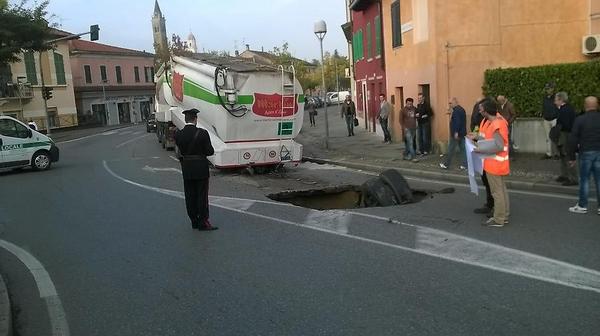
194 146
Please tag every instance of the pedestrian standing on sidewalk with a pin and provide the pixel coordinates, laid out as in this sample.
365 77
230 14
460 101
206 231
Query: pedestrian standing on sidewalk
498 166
424 115
458 131
508 113
349 113
476 116
585 139
312 111
385 108
193 146
550 113
564 124
408 121
479 132
32 125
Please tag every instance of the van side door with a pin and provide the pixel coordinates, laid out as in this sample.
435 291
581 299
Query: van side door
15 137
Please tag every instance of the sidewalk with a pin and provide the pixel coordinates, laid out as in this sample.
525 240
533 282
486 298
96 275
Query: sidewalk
59 135
367 152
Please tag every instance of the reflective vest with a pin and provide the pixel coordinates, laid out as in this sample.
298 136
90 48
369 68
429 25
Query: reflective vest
499 164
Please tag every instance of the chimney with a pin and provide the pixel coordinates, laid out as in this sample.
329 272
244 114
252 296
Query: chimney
262 49
237 53
247 47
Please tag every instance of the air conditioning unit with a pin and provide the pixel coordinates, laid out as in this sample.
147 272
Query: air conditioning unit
590 44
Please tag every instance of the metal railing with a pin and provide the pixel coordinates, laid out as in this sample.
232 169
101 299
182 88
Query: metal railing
11 90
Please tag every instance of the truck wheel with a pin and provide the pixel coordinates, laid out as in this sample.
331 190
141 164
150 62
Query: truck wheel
41 161
398 184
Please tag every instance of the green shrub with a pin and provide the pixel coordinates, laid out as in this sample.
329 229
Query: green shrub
524 87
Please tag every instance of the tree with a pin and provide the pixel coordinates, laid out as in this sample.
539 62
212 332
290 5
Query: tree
23 28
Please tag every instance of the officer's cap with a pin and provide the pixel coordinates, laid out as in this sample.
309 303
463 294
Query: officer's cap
191 112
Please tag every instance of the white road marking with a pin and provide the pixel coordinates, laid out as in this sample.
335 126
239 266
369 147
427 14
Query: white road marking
125 132
154 170
58 318
173 158
334 220
131 140
138 133
443 245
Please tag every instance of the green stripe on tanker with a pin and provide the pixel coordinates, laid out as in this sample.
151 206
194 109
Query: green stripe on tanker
194 90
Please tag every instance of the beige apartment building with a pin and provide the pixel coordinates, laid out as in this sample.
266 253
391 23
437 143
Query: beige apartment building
442 47
21 87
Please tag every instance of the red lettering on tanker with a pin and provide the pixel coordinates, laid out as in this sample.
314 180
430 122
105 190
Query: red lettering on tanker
177 86
269 105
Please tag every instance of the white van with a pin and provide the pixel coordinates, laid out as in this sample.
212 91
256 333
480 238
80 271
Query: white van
336 97
20 146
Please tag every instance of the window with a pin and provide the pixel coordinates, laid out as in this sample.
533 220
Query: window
155 29
59 67
152 74
396 25
378 36
88 74
103 73
13 129
369 44
30 68
118 73
136 73
146 75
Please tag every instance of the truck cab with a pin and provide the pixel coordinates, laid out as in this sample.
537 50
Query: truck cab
21 146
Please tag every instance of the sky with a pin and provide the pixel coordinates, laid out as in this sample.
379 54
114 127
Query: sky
217 25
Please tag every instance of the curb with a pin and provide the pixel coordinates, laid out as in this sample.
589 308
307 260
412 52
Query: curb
5 310
540 187
89 135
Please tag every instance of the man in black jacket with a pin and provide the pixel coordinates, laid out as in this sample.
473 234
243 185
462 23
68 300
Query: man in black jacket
194 146
424 115
550 113
565 120
585 139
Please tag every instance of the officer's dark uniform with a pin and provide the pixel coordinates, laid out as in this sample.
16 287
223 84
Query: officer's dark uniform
194 146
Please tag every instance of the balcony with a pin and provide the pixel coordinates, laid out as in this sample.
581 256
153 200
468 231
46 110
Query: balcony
10 90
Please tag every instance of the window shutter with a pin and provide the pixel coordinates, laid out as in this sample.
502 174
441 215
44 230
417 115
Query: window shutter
30 68
59 67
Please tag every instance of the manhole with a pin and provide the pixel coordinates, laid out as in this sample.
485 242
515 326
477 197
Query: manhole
389 189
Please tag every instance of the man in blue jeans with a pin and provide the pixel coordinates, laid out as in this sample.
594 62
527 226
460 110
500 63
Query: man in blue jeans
458 130
585 139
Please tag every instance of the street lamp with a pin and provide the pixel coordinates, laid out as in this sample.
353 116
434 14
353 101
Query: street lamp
320 31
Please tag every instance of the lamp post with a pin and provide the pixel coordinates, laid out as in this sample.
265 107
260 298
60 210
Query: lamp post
320 30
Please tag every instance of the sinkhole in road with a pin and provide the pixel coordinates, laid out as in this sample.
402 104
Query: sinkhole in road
345 197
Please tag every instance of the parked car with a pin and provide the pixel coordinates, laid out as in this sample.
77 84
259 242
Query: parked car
318 101
151 123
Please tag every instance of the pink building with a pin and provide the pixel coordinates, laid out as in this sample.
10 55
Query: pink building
112 85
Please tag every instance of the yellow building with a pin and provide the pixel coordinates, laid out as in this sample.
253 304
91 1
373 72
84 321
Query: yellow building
443 47
21 87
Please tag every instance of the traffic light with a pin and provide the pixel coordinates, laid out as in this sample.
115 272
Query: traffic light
94 32
46 92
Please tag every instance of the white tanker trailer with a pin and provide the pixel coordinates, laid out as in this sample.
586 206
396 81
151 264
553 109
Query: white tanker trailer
252 112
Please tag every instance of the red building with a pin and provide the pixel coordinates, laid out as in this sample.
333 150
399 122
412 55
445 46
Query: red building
369 63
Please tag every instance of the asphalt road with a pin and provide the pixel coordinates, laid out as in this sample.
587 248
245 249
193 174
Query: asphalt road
108 227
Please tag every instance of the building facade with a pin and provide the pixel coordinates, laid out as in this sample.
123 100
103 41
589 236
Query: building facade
441 48
112 85
368 59
21 87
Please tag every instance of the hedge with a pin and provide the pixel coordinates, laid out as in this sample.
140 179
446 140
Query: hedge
524 87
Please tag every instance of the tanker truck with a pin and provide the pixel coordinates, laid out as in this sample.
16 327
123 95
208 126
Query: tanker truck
252 112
